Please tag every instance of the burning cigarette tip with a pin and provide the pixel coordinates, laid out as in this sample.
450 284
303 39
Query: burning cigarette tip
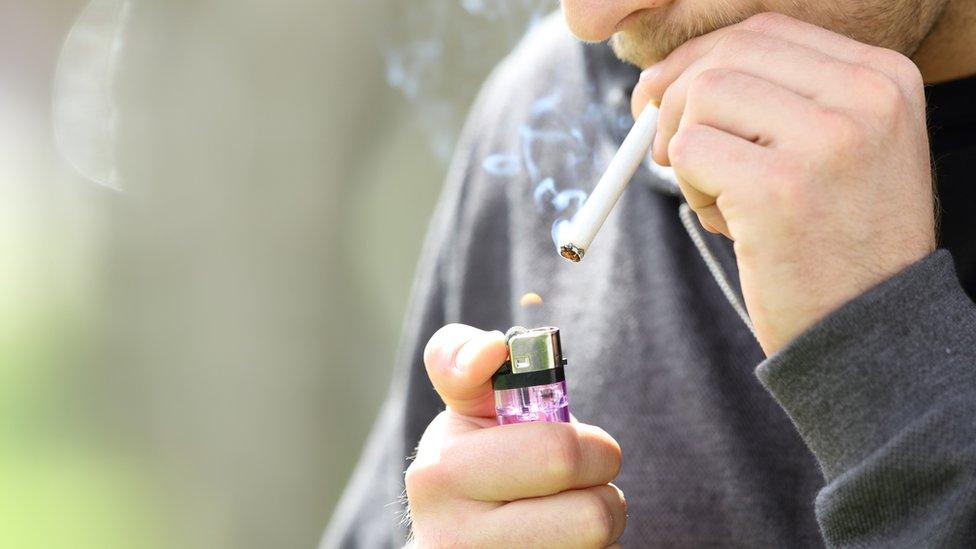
586 222
571 252
531 299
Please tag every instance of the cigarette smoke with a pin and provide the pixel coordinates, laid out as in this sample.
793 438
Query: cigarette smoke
552 133
84 108
437 56
444 42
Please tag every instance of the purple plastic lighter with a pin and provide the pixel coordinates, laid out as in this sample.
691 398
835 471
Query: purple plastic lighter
531 385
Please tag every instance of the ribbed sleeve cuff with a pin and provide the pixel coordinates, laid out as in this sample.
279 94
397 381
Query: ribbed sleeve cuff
878 363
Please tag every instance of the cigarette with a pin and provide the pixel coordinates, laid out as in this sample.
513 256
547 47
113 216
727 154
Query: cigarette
575 238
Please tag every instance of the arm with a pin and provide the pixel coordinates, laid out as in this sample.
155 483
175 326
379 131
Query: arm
884 393
810 151
472 481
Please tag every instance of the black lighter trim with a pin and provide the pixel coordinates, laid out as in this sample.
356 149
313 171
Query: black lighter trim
504 380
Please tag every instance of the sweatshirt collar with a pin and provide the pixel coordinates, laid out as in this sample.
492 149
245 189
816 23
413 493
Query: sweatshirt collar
613 84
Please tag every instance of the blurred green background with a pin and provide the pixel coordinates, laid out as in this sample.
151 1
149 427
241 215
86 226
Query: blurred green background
197 327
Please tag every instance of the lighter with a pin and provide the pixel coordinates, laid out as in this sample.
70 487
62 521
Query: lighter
531 385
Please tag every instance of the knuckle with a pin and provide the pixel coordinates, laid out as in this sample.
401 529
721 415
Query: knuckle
791 196
596 520
421 480
841 131
563 455
908 72
901 69
786 185
883 95
682 145
870 79
785 168
669 98
414 480
678 148
710 82
900 64
783 190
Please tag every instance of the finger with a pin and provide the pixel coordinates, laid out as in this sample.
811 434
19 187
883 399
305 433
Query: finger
799 69
528 460
460 361
591 517
655 81
700 199
702 153
704 206
709 162
445 427
712 221
749 107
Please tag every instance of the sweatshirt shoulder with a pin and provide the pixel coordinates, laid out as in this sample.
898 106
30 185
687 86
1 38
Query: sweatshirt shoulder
547 60
547 50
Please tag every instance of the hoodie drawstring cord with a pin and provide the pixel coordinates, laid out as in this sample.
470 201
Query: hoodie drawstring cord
691 225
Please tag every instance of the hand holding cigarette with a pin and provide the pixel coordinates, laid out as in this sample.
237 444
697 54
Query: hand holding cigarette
474 482
809 150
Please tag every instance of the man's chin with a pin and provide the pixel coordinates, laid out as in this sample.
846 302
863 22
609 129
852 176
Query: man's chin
637 52
655 35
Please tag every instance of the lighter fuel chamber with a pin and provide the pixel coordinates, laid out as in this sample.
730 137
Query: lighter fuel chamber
531 385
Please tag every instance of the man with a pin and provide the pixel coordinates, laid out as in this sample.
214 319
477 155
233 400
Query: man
800 139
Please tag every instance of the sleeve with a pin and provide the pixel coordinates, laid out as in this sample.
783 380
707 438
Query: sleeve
883 392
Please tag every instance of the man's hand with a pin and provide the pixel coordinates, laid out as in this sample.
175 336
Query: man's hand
476 484
807 149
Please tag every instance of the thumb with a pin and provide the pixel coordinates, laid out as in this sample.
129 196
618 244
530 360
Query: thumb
645 94
460 361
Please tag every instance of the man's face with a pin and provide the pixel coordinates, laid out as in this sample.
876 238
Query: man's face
643 32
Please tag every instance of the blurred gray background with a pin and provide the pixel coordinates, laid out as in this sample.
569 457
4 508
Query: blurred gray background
193 358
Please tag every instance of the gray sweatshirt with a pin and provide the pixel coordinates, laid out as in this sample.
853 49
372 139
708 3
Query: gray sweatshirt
861 432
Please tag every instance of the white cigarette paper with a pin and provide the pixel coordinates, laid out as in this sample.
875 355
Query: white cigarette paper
575 238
